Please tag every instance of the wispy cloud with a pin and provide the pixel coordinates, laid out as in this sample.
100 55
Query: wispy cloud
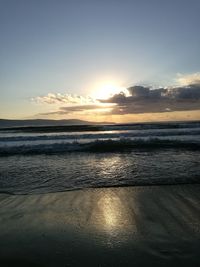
185 79
58 98
78 108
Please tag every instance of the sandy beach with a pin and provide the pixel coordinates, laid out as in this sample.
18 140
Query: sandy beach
127 226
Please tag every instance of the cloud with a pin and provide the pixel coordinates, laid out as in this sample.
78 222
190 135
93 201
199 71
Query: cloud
187 93
138 91
188 79
58 98
146 100
78 108
138 99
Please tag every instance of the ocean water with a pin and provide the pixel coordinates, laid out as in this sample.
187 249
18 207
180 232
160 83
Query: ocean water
52 159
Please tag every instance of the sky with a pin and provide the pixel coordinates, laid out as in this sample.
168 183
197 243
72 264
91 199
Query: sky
108 60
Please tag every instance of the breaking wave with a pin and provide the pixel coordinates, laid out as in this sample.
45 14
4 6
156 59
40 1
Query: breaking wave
108 135
108 145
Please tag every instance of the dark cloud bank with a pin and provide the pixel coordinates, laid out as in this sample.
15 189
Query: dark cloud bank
145 100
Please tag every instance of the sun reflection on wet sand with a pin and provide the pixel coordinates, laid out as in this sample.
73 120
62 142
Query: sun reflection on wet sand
111 216
111 212
103 227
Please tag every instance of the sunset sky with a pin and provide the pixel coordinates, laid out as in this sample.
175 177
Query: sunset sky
112 60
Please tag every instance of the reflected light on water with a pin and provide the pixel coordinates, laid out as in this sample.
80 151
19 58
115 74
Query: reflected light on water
107 167
110 210
115 215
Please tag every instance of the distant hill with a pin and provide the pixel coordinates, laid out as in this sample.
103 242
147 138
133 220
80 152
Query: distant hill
42 122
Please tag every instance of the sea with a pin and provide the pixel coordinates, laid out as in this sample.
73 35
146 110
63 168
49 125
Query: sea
44 159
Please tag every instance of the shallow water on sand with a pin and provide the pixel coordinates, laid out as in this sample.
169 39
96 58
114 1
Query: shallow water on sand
52 173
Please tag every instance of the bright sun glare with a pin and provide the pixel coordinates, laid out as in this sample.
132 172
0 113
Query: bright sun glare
107 90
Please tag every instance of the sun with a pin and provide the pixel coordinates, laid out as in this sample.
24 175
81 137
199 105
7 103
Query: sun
106 90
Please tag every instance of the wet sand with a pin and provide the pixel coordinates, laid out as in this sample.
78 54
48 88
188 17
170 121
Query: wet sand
127 226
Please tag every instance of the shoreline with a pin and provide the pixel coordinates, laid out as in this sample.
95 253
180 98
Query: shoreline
115 226
137 185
